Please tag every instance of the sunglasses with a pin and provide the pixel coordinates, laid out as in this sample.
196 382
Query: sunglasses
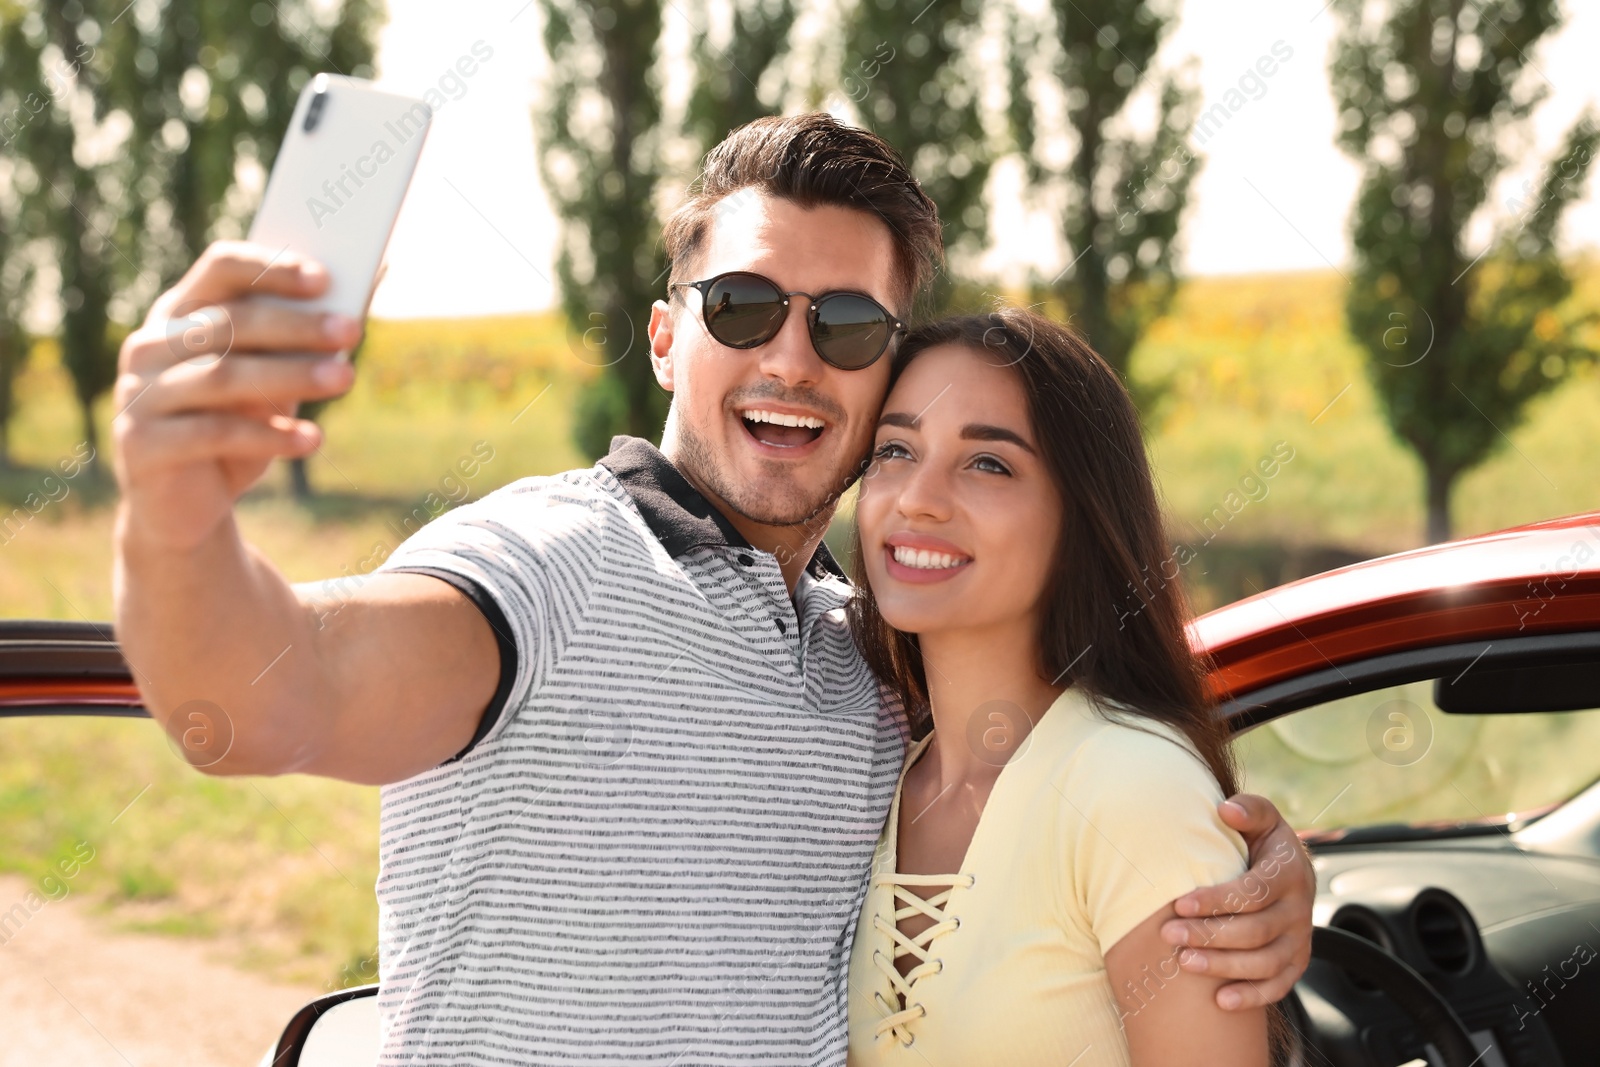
742 310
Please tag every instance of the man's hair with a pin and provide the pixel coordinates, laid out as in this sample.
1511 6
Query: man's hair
814 159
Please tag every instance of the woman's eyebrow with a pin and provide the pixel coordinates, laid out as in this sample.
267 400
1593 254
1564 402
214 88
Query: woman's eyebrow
977 431
972 431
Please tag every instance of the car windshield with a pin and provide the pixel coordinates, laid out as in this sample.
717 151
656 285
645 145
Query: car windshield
1391 756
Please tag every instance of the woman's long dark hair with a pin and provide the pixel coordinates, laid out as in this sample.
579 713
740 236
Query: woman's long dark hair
1112 621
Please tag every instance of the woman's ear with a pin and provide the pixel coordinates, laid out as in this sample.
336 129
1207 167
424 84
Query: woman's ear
661 343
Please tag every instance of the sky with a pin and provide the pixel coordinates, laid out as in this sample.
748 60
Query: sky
477 235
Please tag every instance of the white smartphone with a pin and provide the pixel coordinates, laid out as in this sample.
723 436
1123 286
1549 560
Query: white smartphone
338 182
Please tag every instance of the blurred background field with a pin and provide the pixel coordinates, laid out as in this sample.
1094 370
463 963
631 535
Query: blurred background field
1253 361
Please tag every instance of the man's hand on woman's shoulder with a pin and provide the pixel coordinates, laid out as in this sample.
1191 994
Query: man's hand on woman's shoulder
1256 929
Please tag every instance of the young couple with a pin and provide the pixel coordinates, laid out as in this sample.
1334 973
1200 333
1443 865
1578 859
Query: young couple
659 783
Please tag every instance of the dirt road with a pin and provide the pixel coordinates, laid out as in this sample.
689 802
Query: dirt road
72 991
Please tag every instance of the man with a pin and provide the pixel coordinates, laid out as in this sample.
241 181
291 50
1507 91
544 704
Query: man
633 765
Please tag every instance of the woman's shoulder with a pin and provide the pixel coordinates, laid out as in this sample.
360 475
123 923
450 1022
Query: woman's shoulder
1135 820
1097 743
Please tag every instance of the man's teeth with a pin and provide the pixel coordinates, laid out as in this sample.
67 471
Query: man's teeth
778 418
925 560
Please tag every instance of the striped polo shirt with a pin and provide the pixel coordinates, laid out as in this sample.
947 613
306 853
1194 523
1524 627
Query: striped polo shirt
655 847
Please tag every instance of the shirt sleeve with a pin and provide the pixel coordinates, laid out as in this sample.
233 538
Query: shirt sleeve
525 556
1140 818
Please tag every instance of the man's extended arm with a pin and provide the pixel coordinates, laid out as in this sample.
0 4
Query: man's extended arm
1255 930
391 683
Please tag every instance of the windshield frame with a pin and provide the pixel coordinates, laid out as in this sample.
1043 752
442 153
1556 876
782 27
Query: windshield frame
1251 709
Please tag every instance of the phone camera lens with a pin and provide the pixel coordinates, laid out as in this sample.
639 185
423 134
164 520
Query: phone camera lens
319 100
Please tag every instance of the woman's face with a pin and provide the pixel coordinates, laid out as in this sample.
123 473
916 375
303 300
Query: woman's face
959 518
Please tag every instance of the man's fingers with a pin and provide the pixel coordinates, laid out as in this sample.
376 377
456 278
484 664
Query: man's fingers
217 330
1243 996
1245 894
1243 931
227 270
257 326
213 436
237 381
1249 814
1279 868
1254 965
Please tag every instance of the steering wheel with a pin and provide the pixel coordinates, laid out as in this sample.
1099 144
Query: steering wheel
1421 1003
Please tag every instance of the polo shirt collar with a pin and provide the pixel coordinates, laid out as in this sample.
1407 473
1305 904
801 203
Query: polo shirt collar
679 516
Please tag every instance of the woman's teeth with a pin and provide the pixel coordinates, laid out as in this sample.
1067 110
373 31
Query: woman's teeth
778 418
922 559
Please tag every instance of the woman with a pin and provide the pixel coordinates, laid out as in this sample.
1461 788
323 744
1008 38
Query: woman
1011 543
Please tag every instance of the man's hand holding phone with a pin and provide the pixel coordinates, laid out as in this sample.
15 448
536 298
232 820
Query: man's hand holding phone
206 397
208 388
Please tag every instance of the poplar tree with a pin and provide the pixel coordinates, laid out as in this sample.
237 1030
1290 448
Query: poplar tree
600 154
1122 194
913 76
729 77
139 118
1457 344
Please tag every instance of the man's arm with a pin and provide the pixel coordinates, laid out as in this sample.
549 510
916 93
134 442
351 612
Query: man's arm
391 683
1255 930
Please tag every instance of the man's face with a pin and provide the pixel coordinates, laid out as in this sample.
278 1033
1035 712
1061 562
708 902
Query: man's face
764 472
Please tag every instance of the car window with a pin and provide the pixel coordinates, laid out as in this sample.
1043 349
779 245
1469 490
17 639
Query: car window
1391 756
151 914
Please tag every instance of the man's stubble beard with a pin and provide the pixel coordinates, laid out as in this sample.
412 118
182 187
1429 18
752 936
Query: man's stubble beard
796 505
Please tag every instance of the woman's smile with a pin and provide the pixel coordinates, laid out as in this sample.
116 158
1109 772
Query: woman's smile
913 557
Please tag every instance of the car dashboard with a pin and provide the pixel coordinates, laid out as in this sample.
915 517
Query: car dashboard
1509 937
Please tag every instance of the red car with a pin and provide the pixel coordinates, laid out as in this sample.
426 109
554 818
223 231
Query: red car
1430 719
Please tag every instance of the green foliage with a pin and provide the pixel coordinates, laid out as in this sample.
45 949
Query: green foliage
130 124
52 63
914 78
1123 194
600 140
16 273
210 85
728 79
1456 347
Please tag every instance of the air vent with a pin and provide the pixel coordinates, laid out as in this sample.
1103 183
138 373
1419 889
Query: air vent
1444 934
1367 926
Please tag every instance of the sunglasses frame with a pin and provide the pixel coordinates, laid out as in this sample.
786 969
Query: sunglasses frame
897 328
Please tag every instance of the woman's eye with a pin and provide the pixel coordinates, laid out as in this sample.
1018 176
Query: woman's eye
992 465
890 450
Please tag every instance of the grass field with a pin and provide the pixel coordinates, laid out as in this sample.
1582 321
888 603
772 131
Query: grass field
279 872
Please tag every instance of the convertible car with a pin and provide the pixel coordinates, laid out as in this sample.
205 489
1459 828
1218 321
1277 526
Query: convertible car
1430 719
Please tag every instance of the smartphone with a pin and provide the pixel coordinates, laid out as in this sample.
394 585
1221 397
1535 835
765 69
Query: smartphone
338 182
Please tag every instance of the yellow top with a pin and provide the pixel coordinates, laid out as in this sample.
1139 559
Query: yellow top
1091 827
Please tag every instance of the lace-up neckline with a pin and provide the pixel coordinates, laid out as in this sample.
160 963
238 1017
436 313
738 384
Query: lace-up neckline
907 903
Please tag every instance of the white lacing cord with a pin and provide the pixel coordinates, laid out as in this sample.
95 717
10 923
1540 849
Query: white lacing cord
897 1022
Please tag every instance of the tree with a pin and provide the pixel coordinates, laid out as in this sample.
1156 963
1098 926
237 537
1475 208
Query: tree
16 265
1456 346
210 91
727 82
84 204
915 82
147 116
1122 193
601 159
16 281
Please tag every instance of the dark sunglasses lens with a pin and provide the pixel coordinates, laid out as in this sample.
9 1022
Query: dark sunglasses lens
743 311
850 331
